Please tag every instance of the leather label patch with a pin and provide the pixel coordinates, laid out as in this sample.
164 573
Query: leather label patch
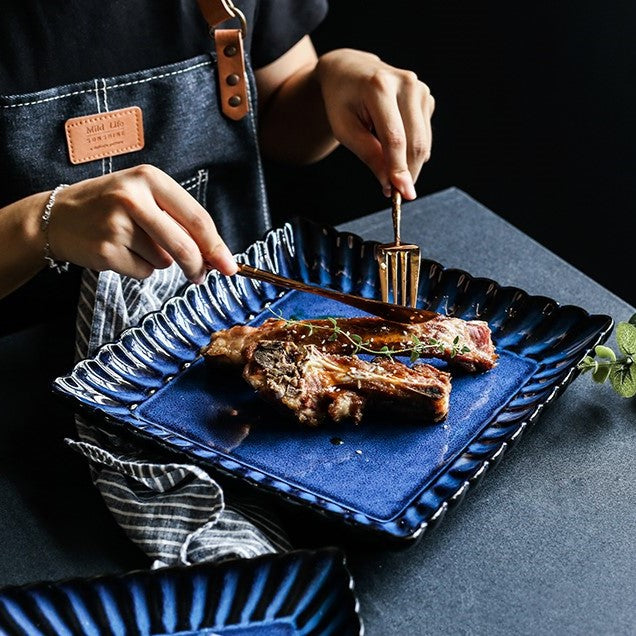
104 134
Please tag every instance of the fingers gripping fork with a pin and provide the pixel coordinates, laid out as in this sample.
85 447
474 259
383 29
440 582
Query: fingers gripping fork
399 263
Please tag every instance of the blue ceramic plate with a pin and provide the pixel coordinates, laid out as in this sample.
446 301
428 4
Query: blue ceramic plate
391 478
300 593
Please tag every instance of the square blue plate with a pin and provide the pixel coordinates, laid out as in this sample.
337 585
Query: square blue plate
298 593
391 478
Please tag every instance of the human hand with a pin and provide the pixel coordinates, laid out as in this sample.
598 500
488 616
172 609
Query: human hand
381 113
133 222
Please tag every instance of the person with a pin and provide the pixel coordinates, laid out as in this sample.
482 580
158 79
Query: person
132 227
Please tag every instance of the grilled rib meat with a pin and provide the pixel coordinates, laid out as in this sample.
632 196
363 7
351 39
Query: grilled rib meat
318 387
236 345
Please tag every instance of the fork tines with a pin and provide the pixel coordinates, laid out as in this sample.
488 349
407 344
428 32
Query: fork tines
398 262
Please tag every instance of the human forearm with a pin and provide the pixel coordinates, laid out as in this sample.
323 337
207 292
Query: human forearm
293 122
381 113
132 222
21 242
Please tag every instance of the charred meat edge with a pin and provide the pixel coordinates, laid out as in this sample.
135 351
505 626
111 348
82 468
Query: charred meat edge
236 345
317 387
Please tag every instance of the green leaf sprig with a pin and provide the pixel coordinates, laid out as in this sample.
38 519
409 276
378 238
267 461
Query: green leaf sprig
621 370
415 350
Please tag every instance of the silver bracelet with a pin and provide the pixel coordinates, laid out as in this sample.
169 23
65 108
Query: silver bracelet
58 266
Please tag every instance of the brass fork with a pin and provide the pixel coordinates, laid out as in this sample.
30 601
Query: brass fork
398 260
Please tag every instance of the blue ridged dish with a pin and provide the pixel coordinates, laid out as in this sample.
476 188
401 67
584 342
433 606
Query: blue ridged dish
299 593
390 479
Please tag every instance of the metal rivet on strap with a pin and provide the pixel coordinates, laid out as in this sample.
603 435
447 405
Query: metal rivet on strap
230 50
235 100
233 79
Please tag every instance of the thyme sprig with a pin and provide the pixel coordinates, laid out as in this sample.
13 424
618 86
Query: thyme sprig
415 350
621 370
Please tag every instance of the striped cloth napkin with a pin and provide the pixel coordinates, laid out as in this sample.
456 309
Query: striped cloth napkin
175 512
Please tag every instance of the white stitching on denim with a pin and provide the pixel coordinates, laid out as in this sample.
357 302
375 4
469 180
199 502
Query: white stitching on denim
203 187
104 90
183 183
199 177
88 90
47 99
149 79
99 110
105 95
199 181
96 90
259 165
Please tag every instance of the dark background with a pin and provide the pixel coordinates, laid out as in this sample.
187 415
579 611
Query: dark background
535 119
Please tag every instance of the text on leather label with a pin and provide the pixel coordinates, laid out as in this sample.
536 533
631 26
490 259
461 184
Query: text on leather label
104 134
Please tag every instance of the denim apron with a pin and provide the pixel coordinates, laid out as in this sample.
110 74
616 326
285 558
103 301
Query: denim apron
176 513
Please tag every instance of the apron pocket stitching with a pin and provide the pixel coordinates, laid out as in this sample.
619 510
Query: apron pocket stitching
197 185
155 77
48 99
203 186
90 90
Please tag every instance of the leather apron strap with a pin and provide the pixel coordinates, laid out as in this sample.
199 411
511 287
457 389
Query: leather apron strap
230 56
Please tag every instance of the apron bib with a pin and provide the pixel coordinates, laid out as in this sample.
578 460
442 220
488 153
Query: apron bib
216 159
175 512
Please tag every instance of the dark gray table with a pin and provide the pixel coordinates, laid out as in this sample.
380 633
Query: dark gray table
545 545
